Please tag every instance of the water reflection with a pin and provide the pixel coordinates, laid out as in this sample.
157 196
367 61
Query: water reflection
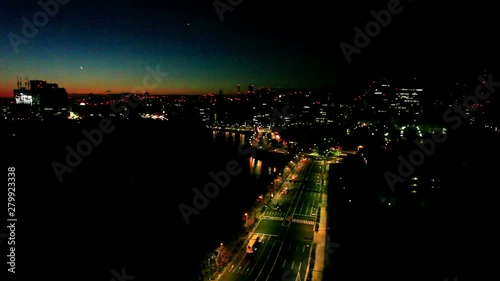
257 167
230 137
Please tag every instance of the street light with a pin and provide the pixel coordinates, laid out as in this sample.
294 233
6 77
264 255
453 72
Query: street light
246 219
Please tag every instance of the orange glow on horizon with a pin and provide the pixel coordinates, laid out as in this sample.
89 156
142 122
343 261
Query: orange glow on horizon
8 92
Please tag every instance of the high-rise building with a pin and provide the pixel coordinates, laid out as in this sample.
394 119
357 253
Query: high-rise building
41 98
386 102
406 103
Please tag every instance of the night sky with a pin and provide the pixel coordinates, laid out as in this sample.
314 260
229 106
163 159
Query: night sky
107 46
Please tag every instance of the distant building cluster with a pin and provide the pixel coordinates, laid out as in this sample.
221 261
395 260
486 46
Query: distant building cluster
266 107
37 98
396 103
382 101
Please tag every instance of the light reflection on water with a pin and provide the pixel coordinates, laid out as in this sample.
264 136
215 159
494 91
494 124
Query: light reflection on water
256 167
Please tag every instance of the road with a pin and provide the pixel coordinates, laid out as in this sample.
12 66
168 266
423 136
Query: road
286 233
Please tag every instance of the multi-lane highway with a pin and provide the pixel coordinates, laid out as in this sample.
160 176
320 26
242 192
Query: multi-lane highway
286 230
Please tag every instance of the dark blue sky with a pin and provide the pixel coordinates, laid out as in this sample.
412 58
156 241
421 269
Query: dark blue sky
99 46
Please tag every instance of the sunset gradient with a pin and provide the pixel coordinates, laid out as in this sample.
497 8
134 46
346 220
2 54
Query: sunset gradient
102 48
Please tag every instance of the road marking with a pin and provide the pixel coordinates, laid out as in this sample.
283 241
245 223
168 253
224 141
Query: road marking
306 215
272 218
293 263
279 250
246 266
301 206
298 270
239 264
303 221
283 263
265 234
262 250
307 205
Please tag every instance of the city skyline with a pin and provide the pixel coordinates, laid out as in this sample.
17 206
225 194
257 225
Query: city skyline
111 49
149 138
200 48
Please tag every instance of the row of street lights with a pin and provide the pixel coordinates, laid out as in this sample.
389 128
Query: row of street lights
277 181
219 252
